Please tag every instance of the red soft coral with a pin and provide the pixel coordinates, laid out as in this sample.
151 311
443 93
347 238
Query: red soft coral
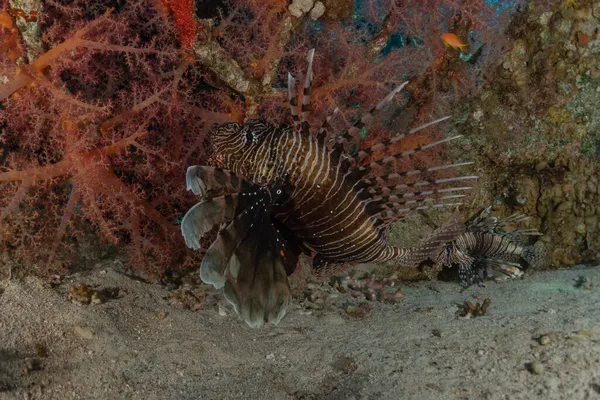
183 18
99 130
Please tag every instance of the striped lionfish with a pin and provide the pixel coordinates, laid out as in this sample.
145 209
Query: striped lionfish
294 191
486 243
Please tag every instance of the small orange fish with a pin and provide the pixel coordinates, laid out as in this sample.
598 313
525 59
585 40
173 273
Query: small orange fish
572 3
450 39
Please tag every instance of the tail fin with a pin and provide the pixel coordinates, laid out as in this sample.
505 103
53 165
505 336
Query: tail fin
538 255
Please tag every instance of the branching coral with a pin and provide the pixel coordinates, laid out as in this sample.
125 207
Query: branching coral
98 128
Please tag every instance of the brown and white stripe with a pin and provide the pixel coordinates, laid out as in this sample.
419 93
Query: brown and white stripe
331 207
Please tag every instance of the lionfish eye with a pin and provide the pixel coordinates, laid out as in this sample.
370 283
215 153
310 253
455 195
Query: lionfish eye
249 138
279 191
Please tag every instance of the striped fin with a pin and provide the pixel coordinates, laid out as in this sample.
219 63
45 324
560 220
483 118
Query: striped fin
436 193
306 107
513 219
395 194
422 185
433 246
390 216
401 204
414 150
218 255
293 101
516 234
326 128
204 216
395 203
407 206
362 154
351 135
385 179
482 221
204 180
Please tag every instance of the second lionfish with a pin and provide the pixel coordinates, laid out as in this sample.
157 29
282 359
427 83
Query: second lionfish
293 191
486 243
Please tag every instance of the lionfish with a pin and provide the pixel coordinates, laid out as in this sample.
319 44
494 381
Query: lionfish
292 191
486 243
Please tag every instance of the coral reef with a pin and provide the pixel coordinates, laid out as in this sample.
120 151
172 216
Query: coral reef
104 104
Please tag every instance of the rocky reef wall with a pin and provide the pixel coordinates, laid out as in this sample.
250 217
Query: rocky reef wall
534 133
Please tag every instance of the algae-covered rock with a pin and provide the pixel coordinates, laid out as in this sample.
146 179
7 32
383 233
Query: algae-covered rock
535 131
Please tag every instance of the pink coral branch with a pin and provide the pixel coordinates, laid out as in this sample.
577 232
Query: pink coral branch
13 205
26 75
70 163
64 223
116 188
56 92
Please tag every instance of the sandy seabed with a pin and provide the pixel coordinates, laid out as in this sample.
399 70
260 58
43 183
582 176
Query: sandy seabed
539 339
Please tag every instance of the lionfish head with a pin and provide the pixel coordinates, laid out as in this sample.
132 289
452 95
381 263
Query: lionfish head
232 138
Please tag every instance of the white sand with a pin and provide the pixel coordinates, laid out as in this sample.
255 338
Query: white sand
415 349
